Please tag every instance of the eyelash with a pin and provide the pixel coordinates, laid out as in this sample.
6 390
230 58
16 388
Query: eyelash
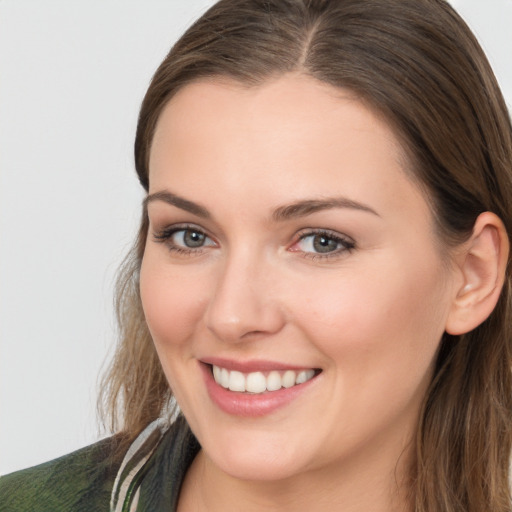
347 244
166 234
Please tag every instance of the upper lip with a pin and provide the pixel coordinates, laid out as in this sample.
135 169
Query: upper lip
252 365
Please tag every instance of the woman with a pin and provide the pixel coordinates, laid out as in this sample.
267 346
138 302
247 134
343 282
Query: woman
321 274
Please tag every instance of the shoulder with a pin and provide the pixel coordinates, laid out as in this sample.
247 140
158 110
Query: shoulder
153 469
80 481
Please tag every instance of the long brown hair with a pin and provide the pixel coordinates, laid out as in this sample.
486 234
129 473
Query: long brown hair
418 64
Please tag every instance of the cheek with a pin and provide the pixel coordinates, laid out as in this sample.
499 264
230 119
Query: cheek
386 320
173 306
380 334
172 303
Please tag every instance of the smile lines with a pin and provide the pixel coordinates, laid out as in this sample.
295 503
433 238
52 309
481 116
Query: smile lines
258 382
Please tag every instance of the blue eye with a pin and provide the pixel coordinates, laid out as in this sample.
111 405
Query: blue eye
184 239
323 243
189 238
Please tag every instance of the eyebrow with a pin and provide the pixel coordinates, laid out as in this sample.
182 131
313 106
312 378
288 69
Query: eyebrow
282 213
179 202
309 206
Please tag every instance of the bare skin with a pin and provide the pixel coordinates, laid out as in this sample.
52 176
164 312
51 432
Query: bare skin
297 239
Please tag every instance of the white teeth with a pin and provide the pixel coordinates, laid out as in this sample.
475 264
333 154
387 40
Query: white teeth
236 381
257 382
274 381
224 378
304 376
289 379
216 373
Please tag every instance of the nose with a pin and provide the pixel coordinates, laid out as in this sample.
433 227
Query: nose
244 303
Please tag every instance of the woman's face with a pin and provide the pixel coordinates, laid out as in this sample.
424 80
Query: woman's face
289 253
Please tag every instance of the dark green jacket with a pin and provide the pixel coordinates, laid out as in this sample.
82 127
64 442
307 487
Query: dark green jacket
85 480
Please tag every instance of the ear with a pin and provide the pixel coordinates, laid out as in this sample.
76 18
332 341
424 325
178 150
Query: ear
482 262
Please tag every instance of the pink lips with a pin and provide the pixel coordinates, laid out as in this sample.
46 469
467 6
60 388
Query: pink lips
249 366
248 404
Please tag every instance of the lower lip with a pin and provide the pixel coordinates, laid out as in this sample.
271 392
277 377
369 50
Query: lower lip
248 404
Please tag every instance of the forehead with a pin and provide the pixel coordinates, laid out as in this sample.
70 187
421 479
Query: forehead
295 105
283 140
293 96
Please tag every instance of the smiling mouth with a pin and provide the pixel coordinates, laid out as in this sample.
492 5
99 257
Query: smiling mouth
261 382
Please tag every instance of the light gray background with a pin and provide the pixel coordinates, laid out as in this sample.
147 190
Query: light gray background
72 75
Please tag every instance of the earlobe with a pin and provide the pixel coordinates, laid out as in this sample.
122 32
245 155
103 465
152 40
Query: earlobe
482 264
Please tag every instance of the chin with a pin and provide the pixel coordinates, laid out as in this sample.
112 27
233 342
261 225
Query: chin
247 467
269 458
